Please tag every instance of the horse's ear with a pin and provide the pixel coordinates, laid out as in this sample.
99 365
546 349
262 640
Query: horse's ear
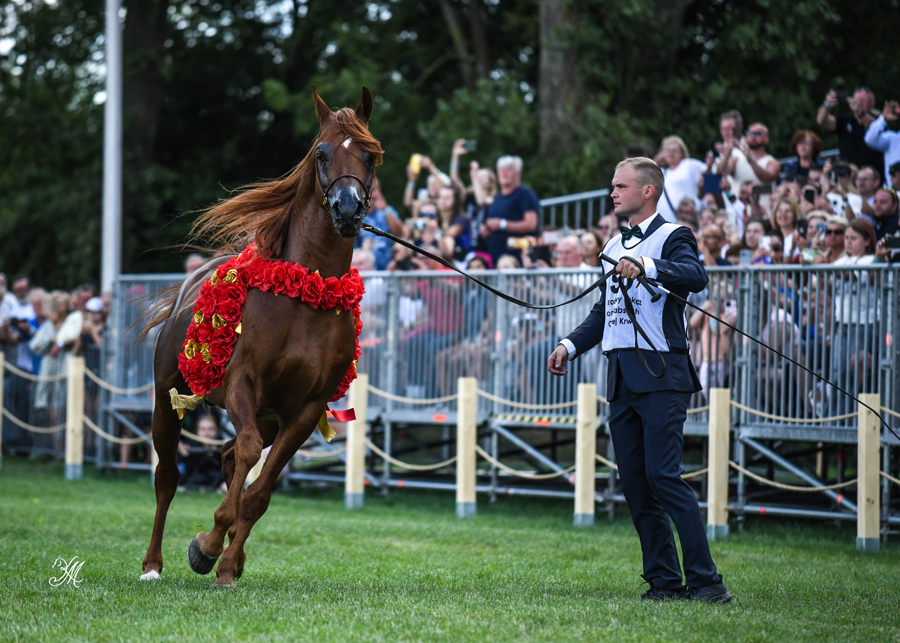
322 110
366 105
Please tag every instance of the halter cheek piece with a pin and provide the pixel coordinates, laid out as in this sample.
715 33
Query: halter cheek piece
327 206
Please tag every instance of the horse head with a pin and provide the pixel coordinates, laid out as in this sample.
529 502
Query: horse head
345 159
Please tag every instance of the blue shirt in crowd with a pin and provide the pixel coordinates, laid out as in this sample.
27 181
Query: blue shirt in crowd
511 207
382 247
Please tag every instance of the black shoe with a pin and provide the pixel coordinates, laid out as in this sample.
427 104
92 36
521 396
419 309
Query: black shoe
715 593
658 594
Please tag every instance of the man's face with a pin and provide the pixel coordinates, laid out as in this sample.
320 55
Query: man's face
746 193
714 238
865 181
757 136
834 235
508 177
628 195
863 100
726 129
21 288
895 180
567 254
883 204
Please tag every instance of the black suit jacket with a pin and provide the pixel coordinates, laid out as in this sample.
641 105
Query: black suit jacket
680 271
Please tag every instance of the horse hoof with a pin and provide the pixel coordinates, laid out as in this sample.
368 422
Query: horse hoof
199 561
151 575
240 572
224 584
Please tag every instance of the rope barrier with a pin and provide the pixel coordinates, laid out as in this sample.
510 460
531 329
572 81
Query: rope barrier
525 405
612 465
322 454
694 474
210 441
699 409
521 474
602 399
30 427
407 465
115 389
34 378
412 400
770 416
106 436
890 412
789 487
889 477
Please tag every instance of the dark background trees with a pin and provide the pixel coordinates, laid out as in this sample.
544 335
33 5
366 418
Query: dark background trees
217 94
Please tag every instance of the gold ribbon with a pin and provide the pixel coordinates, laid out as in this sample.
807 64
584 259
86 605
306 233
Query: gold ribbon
183 403
325 429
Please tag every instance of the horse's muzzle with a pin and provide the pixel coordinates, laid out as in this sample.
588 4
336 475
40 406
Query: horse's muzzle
348 212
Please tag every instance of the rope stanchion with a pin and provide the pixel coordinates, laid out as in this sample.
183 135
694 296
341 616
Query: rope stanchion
210 441
411 400
407 465
525 405
694 474
322 454
770 416
699 409
106 436
532 476
789 487
890 478
30 427
612 465
115 389
34 378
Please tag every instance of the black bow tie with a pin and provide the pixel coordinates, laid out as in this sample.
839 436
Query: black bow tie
627 232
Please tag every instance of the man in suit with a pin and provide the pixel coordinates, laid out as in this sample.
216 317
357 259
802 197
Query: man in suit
647 411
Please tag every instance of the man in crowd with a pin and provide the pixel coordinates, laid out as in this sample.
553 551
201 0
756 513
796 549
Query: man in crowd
880 138
884 206
746 160
646 414
383 217
868 180
16 328
851 128
712 240
193 262
514 213
894 172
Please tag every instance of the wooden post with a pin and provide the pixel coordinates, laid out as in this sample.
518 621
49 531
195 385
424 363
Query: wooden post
719 425
466 435
585 455
75 418
354 479
868 500
2 378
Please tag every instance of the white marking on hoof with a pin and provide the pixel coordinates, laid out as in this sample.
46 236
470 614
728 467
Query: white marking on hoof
151 575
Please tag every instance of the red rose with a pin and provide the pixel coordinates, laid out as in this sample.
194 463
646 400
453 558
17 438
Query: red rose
230 310
212 374
230 291
294 281
331 293
352 292
200 332
276 275
206 305
225 336
312 290
220 353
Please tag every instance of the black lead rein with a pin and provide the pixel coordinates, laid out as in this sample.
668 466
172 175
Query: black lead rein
652 286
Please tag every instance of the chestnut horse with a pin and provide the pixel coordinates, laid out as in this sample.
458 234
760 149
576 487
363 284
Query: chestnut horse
289 358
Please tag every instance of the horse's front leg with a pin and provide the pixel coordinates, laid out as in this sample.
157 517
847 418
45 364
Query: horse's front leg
256 499
248 445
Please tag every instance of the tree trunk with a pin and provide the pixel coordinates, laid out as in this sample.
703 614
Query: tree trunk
459 43
558 93
479 39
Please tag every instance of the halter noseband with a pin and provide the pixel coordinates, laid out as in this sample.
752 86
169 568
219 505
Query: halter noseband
327 206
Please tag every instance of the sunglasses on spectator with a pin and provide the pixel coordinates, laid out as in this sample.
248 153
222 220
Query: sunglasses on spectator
833 231
605 228
777 247
755 132
425 213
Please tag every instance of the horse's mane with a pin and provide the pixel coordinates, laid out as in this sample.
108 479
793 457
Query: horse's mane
263 210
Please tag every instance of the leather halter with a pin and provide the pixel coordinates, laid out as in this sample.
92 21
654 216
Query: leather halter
327 206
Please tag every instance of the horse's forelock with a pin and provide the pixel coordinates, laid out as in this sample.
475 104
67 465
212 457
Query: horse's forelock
351 125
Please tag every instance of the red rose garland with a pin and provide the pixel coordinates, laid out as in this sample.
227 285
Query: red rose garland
217 313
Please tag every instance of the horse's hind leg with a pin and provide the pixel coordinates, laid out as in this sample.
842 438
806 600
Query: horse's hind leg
257 497
166 431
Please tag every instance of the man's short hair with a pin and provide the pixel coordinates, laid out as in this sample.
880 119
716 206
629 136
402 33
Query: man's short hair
893 169
647 173
635 150
874 171
894 199
736 115
510 161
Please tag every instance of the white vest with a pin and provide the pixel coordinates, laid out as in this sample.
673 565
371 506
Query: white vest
619 331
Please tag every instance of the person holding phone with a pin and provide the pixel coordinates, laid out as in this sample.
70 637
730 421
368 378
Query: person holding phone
832 246
851 128
747 160
806 146
681 176
880 138
785 217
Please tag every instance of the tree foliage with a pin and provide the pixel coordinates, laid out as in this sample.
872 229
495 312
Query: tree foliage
218 95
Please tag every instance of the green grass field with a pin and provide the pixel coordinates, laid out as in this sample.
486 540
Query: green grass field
403 568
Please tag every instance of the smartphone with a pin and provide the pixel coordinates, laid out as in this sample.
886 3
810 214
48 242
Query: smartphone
756 190
470 144
415 162
731 307
842 96
892 242
746 257
712 184
766 243
802 227
821 228
539 253
809 194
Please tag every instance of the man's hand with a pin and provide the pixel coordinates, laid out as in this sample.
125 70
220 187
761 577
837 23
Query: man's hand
626 269
557 362
831 99
891 110
492 224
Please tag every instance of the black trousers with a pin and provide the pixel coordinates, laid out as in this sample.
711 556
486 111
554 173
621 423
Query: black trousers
648 433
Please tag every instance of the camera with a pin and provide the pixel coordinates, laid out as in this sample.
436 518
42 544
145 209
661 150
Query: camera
470 144
809 194
842 96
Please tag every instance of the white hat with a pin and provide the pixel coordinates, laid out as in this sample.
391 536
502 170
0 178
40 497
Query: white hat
94 305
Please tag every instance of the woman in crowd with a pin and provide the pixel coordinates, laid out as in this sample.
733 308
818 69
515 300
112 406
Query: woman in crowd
453 223
755 230
806 146
682 174
56 340
785 216
479 195
831 244
592 248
